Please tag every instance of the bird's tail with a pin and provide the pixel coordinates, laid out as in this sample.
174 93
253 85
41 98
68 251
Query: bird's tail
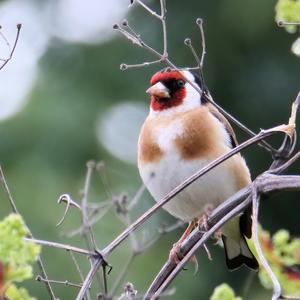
237 251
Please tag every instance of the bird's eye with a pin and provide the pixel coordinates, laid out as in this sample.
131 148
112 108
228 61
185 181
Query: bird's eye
180 83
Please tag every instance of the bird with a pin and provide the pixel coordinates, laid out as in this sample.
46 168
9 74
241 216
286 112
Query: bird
182 133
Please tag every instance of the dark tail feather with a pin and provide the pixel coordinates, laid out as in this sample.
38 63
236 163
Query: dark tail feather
238 253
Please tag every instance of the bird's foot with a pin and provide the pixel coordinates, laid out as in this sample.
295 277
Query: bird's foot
203 220
175 256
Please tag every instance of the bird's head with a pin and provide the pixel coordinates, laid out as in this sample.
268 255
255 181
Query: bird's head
171 92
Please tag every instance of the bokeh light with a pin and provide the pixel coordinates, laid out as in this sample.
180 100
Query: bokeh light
118 129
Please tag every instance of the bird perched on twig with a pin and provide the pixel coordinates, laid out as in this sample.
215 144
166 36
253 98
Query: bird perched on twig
182 133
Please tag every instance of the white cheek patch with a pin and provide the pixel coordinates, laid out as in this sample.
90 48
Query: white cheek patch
192 97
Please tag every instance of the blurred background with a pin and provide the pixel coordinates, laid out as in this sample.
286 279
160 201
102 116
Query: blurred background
64 101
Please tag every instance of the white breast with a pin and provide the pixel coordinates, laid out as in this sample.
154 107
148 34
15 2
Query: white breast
163 176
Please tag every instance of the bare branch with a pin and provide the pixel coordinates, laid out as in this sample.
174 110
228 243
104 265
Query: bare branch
88 279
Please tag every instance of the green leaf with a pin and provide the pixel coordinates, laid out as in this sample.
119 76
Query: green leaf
283 255
16 255
224 292
288 11
14 293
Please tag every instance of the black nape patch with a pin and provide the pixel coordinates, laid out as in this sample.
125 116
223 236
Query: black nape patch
198 80
203 87
232 141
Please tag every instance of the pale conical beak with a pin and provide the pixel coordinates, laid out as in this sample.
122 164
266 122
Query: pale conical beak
159 90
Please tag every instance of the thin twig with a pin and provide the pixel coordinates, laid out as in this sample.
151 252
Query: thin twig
163 16
65 282
19 26
137 197
88 233
199 22
94 217
8 193
283 23
85 220
62 246
70 202
79 272
189 44
148 9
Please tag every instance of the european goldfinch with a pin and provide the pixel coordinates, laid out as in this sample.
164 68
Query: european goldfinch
183 133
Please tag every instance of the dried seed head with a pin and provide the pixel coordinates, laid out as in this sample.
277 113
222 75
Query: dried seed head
188 41
280 23
123 67
199 21
125 22
91 164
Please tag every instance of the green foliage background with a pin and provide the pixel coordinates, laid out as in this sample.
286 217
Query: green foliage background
250 72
